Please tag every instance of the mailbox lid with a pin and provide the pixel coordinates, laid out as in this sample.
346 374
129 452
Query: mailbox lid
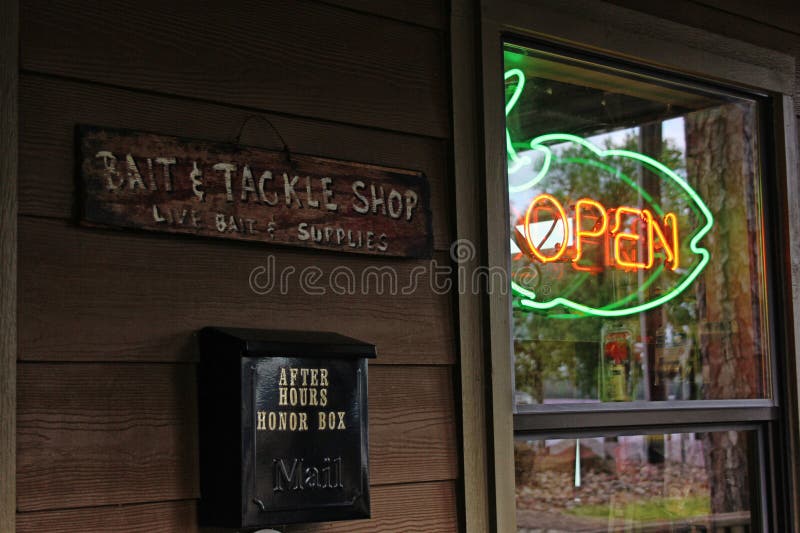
247 342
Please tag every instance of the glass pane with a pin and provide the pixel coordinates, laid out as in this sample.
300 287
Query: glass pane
636 236
675 482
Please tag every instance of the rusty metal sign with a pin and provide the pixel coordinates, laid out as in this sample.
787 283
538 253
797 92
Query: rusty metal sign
153 182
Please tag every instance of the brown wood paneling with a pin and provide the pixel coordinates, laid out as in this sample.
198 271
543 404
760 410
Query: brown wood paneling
776 13
98 440
166 517
419 507
428 507
711 19
412 424
104 434
50 108
429 13
104 295
293 56
9 21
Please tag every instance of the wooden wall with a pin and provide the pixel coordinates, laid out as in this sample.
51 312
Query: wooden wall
106 421
106 377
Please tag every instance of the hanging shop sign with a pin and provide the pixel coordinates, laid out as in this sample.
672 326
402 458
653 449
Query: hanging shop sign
283 427
153 182
599 231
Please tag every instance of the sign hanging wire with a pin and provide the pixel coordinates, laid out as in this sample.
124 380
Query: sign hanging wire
284 147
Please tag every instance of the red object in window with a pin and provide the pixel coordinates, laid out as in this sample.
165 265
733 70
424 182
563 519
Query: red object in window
617 350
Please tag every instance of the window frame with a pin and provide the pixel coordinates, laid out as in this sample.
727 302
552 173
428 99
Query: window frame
745 407
675 49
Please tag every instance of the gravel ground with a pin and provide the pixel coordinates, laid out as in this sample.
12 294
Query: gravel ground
544 504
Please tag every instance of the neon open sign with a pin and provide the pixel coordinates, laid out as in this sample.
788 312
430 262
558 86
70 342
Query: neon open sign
622 236
581 214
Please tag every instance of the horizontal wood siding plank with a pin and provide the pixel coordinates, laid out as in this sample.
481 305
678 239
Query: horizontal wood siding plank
165 517
428 507
104 295
423 507
292 56
105 434
50 109
412 424
776 13
429 13
711 19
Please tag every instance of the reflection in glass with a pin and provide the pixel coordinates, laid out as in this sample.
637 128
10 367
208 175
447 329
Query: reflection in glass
636 236
644 483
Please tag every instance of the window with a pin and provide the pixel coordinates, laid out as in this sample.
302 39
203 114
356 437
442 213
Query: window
637 257
641 315
699 481
636 340
640 212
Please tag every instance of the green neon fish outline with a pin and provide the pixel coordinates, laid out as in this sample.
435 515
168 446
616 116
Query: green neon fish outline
528 297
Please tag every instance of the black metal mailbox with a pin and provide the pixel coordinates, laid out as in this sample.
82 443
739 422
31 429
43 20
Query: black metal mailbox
283 427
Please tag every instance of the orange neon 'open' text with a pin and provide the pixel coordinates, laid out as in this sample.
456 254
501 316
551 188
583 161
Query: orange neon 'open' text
632 239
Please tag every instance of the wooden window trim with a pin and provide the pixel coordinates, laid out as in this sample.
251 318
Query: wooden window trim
626 416
9 69
477 507
484 321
